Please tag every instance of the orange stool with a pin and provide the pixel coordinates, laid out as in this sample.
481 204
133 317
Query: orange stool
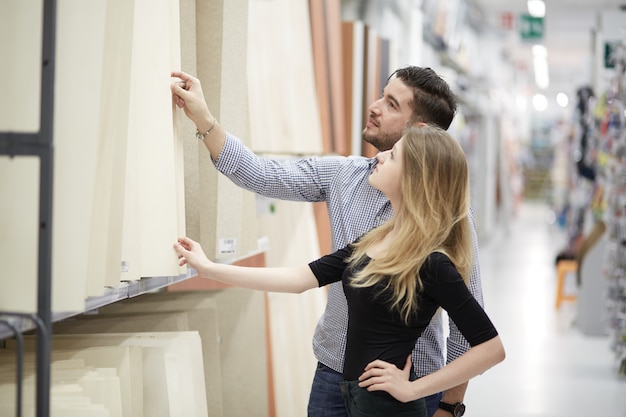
564 267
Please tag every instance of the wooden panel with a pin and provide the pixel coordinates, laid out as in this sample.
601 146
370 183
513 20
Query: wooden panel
335 55
157 314
327 59
126 360
151 216
242 341
226 225
371 81
183 356
20 48
319 38
105 243
19 229
284 115
80 33
353 44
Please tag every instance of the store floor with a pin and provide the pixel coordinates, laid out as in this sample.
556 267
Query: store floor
551 369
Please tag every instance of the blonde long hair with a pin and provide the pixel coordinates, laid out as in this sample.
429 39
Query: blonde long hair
433 217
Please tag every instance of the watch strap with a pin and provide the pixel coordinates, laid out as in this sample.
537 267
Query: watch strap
447 407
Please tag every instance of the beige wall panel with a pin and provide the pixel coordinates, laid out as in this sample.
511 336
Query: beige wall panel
21 31
80 33
19 231
284 115
292 316
105 245
225 213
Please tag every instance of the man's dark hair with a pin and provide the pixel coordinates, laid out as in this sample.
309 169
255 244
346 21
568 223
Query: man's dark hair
433 100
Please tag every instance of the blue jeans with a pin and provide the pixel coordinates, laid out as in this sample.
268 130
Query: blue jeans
326 399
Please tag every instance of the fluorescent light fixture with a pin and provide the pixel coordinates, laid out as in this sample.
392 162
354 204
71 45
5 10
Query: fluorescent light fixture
562 99
536 8
540 65
540 51
540 102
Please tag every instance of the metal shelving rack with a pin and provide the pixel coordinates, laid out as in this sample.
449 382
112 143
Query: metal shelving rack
39 144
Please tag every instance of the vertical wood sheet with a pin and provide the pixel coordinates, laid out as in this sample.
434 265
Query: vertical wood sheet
20 48
284 115
19 231
225 213
353 45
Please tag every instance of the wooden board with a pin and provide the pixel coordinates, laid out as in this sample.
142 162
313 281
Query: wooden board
19 230
20 47
284 115
224 220
353 45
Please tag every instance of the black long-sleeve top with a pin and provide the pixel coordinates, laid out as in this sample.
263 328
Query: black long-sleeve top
375 332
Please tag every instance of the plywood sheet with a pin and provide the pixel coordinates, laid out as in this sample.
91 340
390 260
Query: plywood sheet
284 115
20 48
327 60
371 86
353 46
19 231
105 244
80 33
152 313
180 351
152 169
73 379
226 225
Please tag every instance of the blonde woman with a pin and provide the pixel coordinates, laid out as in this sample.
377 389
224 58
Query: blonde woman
395 277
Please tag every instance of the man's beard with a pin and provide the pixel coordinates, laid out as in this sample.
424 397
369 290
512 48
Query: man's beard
382 141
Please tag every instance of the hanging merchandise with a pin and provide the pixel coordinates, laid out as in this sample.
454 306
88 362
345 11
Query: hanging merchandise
612 162
582 183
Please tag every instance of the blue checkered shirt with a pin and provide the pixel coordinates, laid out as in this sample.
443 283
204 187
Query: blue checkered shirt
354 207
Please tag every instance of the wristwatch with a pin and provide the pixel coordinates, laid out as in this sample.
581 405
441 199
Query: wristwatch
456 409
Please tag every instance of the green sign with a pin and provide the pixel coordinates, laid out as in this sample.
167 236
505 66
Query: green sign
530 27
610 52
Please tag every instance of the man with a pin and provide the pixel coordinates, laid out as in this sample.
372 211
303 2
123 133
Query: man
413 95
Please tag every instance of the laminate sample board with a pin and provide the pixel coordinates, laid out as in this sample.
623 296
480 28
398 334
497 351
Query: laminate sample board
223 215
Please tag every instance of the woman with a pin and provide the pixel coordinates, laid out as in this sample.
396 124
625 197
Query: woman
395 277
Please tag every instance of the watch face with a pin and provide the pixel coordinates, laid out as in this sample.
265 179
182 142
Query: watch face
459 410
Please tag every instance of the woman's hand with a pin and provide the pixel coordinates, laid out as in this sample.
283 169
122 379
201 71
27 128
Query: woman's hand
190 253
188 95
384 376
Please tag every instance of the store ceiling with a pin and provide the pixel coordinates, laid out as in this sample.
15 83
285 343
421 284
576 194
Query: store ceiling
568 37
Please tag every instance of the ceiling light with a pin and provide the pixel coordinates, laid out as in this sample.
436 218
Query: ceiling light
562 99
540 102
536 8
540 66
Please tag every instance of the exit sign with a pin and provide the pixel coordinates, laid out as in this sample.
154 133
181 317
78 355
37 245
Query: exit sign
530 27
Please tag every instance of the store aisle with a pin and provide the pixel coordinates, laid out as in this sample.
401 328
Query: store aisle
551 369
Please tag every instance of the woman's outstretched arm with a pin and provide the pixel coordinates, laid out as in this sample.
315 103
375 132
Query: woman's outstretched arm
289 280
